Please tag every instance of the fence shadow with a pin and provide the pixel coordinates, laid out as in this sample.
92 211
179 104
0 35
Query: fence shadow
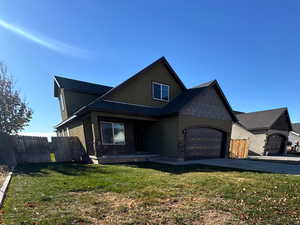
68 169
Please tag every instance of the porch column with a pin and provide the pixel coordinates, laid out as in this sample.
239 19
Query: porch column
96 135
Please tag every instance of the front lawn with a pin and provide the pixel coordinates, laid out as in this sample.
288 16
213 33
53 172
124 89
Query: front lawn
148 193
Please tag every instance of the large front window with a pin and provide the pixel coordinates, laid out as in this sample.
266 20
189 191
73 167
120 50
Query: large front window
112 133
160 91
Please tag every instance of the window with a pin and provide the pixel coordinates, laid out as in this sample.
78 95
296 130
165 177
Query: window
160 91
112 133
62 103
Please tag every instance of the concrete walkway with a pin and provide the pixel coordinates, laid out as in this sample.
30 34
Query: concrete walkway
242 164
276 158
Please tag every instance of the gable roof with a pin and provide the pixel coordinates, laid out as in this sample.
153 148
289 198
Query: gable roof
180 101
296 127
261 119
173 107
160 60
79 86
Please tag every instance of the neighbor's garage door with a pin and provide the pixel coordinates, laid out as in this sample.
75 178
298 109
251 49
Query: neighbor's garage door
203 143
275 144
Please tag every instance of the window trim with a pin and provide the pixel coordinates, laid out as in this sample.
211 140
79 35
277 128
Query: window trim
161 85
103 143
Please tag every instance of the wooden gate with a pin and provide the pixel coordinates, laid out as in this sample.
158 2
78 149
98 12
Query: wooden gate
239 148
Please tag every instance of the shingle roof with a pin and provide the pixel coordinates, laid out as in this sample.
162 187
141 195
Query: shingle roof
180 101
81 86
296 127
123 108
261 119
206 84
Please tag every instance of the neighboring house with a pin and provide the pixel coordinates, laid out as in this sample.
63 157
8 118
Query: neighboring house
269 131
294 135
150 113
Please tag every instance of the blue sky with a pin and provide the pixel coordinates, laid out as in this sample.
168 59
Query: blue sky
251 47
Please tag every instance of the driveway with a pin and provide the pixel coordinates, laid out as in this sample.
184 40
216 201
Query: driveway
243 164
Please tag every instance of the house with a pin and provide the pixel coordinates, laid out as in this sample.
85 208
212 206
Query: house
294 135
267 131
150 114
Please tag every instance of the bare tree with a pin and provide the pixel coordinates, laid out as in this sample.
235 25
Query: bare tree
15 113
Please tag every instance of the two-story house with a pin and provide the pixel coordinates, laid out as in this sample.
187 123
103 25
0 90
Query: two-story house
151 113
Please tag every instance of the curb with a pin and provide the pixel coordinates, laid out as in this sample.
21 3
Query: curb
4 187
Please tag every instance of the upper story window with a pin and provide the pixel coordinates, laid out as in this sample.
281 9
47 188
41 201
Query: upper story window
62 102
160 91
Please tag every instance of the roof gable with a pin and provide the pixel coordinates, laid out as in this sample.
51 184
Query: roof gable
264 119
79 86
162 61
188 96
138 88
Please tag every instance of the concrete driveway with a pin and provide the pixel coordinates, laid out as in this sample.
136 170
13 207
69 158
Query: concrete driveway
243 164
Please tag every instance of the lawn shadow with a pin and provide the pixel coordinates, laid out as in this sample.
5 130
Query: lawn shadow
68 169
180 169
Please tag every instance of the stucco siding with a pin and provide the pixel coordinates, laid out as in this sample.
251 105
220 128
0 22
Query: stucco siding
139 89
239 132
257 144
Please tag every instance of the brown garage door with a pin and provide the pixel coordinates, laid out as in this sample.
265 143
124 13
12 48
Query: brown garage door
203 143
275 144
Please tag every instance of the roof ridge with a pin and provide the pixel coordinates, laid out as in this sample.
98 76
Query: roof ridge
87 82
205 84
268 110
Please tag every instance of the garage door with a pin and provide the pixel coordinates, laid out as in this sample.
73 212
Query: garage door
203 143
275 144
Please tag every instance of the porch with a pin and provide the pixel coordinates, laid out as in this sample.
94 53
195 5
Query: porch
119 138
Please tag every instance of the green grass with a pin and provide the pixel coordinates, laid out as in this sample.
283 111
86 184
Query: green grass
148 193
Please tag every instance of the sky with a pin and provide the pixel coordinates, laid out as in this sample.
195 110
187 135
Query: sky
252 47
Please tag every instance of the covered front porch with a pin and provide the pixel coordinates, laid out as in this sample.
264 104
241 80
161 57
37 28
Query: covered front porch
119 138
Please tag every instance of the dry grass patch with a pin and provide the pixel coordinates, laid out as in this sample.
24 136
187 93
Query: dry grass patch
113 208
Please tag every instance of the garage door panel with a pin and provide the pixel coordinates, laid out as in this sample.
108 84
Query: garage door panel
203 142
275 144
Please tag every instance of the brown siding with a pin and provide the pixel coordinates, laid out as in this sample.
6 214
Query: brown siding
162 138
75 100
76 129
139 89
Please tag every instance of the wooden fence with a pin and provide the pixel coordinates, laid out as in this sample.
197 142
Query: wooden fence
16 149
239 148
